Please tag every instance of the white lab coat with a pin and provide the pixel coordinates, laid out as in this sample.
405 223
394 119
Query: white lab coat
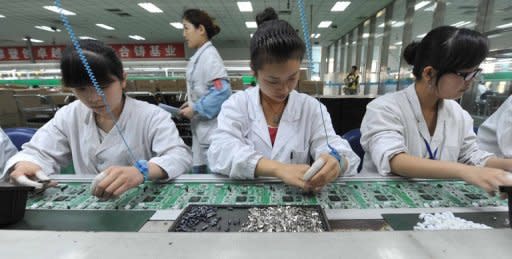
204 66
495 134
242 136
7 149
394 123
72 135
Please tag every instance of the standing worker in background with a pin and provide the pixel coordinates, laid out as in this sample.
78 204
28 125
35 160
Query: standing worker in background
207 83
271 129
352 81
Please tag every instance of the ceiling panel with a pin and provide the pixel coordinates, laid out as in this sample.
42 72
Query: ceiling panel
22 16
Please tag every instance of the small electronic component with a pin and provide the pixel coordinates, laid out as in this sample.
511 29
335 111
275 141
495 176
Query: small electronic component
315 167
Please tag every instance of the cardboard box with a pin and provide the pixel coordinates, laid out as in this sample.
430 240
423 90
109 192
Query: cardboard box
311 87
9 114
146 86
167 85
236 84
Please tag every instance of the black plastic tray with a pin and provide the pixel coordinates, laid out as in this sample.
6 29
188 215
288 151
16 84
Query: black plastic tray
233 216
13 200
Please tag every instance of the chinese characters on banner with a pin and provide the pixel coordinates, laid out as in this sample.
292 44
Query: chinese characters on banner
125 51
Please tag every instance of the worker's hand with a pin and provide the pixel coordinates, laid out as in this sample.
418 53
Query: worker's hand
292 174
29 174
116 180
487 178
184 105
186 111
328 173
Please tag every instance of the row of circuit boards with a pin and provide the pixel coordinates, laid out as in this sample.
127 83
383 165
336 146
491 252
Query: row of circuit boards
338 195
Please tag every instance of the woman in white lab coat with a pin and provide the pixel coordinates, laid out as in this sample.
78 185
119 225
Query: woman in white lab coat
272 130
495 134
7 149
207 83
421 131
84 133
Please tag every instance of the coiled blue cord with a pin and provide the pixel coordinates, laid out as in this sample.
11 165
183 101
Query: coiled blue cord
309 54
100 92
305 31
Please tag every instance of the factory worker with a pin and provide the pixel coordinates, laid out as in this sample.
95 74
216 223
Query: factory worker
7 149
84 133
207 83
271 129
495 134
422 131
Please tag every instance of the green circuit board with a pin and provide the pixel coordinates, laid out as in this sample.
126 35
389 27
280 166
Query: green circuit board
339 195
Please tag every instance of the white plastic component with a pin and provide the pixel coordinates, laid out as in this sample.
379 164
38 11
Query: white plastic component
444 221
97 180
315 167
23 180
42 176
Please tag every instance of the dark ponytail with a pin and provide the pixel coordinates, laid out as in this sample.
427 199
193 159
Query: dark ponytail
102 59
275 41
447 49
198 17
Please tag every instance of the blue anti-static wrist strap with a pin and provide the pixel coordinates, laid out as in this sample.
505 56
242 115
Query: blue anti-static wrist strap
338 157
142 166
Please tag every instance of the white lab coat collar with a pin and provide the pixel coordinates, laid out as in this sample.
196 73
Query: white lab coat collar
287 126
442 115
200 50
111 139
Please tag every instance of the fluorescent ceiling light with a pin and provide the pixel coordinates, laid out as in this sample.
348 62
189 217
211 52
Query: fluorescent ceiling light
380 13
244 6
86 38
2 16
252 34
503 26
398 43
494 36
421 35
46 28
430 8
104 26
150 7
136 37
33 40
340 6
56 9
315 35
251 25
324 24
177 25
394 24
366 35
398 24
421 5
461 23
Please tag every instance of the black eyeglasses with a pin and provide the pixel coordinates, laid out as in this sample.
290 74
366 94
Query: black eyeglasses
467 76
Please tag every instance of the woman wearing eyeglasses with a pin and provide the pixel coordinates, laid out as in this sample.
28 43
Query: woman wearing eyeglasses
421 131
